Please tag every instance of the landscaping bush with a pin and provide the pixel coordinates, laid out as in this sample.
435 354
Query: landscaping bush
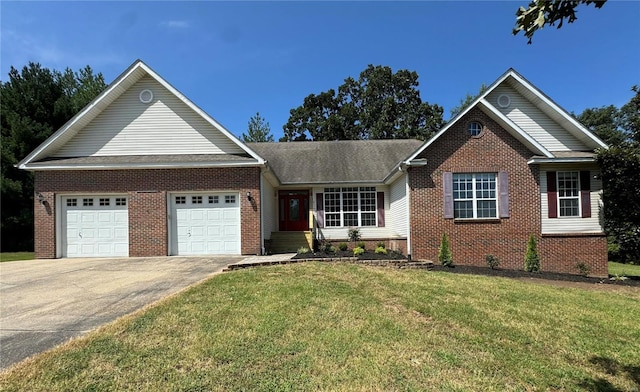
381 250
303 250
381 245
342 246
531 259
328 248
492 261
444 252
583 268
354 235
362 245
358 251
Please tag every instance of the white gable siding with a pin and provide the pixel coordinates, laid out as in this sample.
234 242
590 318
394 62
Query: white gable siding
397 219
164 126
535 122
577 224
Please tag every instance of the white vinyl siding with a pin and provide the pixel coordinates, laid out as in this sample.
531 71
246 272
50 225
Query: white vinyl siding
397 215
569 225
165 126
268 203
535 122
371 232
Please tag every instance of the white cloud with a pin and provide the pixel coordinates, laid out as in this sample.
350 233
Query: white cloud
176 24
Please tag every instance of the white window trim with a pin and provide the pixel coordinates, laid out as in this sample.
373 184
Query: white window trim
560 216
475 200
342 212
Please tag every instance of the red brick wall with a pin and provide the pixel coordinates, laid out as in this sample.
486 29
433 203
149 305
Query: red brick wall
563 253
495 150
147 190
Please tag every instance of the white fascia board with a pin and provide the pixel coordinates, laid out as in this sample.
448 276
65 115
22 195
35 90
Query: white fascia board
82 113
549 102
202 113
536 161
516 131
124 166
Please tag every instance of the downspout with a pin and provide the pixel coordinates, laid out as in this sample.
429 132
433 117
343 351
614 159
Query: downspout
262 249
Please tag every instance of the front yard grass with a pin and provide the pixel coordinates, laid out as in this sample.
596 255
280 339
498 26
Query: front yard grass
13 256
624 269
334 326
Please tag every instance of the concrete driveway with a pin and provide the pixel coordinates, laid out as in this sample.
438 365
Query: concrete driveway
46 302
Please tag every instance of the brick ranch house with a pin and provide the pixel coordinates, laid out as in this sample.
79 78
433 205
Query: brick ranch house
142 171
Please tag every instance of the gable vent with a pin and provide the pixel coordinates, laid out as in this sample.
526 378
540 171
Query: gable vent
504 101
146 96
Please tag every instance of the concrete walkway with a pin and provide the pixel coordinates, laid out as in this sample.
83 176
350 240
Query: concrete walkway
253 261
46 302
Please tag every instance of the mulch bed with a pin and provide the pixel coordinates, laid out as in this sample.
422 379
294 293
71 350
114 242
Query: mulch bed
398 260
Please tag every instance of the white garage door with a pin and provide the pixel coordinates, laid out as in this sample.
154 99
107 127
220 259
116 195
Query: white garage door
95 226
205 224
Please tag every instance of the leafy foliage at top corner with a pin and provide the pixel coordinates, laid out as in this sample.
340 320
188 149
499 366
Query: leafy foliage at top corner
380 104
548 12
258 130
35 102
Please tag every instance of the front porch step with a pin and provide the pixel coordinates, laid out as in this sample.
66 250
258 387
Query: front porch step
289 241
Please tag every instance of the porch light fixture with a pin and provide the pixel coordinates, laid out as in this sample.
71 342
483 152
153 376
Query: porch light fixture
249 196
40 198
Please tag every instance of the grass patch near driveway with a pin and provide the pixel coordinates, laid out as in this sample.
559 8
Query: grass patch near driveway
14 256
334 326
624 269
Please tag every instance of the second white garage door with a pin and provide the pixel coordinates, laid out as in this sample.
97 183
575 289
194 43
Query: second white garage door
205 224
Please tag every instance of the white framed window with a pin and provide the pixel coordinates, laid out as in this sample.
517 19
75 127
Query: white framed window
196 199
181 200
72 202
568 193
350 206
87 202
121 201
214 199
475 196
105 201
474 128
229 199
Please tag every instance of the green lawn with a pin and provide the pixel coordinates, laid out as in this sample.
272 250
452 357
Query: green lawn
13 256
330 326
623 269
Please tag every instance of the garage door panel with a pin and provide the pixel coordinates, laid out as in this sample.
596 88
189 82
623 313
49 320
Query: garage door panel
95 226
200 224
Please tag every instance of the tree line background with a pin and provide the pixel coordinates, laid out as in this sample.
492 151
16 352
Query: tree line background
379 104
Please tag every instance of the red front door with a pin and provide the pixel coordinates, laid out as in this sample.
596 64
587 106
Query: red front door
293 210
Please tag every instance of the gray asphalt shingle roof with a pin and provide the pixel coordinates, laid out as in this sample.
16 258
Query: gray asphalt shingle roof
343 161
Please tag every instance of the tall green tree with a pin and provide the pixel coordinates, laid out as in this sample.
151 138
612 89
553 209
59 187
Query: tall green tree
258 130
604 122
35 102
548 12
620 165
380 104
464 103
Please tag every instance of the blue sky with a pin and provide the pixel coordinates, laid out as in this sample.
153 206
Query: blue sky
234 59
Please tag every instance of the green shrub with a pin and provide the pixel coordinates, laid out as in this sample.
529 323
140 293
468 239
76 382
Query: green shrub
381 245
354 235
492 261
358 251
342 246
381 250
531 259
444 252
303 250
583 268
328 248
362 245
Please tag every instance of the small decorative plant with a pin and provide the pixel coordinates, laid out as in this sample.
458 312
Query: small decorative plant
583 268
531 259
342 246
381 250
354 235
444 252
358 251
303 250
328 248
381 245
362 245
492 261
